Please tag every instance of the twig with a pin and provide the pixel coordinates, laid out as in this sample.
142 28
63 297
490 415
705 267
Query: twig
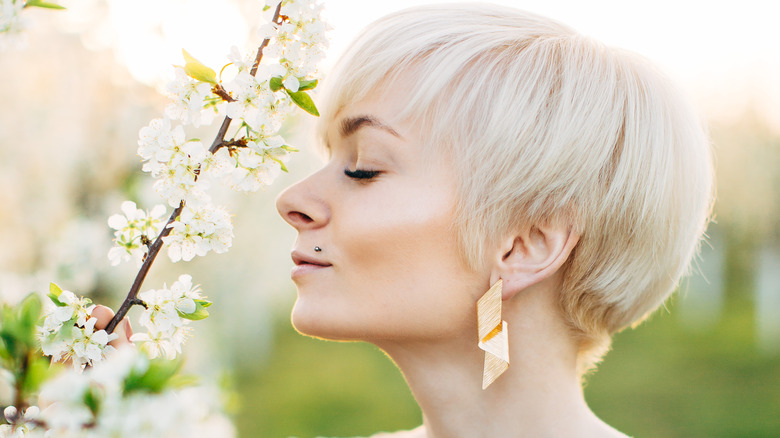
155 248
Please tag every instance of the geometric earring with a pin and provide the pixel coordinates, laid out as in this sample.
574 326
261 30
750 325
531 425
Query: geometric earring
493 334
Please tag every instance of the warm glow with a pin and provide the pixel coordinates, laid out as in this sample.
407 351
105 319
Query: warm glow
724 55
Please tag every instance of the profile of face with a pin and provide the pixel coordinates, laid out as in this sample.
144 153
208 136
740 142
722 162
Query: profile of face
389 268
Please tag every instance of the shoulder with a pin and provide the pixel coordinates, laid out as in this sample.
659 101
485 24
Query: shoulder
418 432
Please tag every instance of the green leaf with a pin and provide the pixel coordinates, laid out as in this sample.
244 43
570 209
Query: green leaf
289 148
183 380
31 308
281 164
275 83
39 370
55 290
199 313
266 7
204 303
304 101
92 400
42 4
197 70
307 84
54 299
155 378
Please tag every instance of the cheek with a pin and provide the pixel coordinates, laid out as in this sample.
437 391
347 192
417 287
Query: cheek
402 271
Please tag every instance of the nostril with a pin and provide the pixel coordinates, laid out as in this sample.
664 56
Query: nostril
296 217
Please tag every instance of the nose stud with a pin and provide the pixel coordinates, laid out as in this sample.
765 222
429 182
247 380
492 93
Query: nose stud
317 249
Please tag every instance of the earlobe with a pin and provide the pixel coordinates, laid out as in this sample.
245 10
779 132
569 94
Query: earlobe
531 256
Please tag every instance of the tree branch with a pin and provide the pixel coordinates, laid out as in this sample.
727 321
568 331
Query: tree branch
154 249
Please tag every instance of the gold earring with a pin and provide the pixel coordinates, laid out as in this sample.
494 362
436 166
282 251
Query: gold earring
493 334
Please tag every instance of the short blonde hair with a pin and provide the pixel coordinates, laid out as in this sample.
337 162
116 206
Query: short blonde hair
545 124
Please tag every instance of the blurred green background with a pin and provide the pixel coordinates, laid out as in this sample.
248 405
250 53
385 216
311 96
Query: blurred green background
73 100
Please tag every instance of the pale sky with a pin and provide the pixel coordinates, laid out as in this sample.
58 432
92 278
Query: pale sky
725 54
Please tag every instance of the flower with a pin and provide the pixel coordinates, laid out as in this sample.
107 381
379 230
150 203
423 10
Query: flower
11 22
189 97
133 230
68 332
173 160
90 346
198 230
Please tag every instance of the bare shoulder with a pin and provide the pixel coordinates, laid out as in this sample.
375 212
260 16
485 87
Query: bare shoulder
418 432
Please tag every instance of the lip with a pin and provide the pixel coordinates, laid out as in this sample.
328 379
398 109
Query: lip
306 263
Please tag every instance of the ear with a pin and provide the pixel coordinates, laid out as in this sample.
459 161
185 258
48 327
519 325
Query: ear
531 255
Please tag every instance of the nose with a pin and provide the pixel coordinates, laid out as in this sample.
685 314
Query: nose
302 206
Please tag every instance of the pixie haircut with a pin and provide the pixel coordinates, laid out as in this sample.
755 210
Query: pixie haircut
545 125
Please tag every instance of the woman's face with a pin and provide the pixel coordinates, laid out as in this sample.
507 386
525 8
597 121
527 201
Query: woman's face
389 266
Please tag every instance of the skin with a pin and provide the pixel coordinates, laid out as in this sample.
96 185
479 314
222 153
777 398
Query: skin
390 273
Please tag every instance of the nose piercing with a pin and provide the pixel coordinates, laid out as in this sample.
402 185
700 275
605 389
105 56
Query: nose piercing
317 249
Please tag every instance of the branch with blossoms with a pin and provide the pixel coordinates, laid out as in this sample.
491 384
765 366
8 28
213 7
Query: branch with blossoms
12 23
264 89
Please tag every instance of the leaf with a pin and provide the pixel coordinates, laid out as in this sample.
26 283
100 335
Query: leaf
55 290
307 84
183 380
289 148
42 4
199 313
304 101
154 378
204 303
275 83
92 400
38 371
197 70
281 164
31 308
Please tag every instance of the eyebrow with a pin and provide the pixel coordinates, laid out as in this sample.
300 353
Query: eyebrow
350 125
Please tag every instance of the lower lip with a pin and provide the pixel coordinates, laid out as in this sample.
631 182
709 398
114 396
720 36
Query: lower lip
304 269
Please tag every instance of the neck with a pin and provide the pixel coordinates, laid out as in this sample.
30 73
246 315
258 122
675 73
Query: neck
538 396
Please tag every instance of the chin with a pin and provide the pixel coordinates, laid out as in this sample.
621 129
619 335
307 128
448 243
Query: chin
315 321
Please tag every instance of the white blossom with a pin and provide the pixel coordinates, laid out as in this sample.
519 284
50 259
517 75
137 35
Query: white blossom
162 317
20 427
173 160
68 332
133 229
198 230
189 97
11 23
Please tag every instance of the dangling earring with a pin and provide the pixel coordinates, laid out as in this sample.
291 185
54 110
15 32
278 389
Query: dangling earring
493 335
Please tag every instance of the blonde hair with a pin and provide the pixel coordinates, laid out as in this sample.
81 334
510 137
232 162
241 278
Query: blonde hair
544 124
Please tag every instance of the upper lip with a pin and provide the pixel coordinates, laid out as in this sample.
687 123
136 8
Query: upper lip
300 258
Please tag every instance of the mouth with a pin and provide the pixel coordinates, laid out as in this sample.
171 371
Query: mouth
301 259
306 264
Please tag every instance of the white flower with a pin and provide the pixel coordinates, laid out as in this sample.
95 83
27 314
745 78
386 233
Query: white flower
19 427
189 97
163 343
291 83
158 137
160 314
198 230
90 346
175 164
243 63
133 229
11 22
184 293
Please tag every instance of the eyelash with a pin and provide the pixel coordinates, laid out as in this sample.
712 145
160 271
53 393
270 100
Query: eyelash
361 174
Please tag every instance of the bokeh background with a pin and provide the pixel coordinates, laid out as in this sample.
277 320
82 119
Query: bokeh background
75 93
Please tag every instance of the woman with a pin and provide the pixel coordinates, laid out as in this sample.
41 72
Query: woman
476 148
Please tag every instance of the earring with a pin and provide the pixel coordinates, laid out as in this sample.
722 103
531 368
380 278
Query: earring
493 334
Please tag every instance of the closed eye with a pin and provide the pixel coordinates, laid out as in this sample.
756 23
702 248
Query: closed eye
361 174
